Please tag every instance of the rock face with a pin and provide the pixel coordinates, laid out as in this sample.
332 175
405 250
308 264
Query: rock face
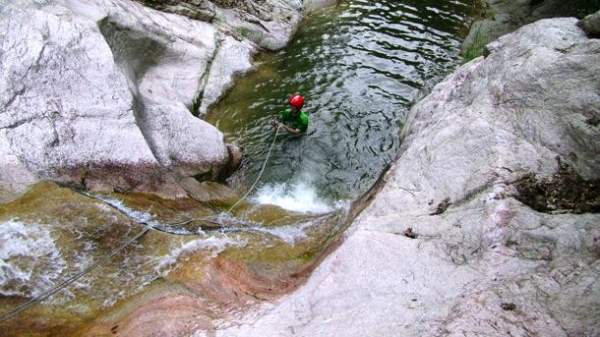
446 248
101 93
267 23
502 17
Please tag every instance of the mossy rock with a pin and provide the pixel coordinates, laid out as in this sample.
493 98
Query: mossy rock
85 230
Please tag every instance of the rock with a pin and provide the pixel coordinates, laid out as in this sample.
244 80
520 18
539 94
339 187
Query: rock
486 126
210 192
266 23
202 10
503 17
233 58
591 24
95 94
100 94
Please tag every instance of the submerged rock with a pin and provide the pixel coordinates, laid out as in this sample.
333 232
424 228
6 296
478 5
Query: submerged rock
485 264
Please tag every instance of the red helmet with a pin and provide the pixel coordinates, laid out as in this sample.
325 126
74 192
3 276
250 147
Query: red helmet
297 101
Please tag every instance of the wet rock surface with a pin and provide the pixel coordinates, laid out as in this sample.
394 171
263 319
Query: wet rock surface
483 262
182 270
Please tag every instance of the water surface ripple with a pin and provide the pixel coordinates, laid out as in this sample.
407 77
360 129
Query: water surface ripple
360 66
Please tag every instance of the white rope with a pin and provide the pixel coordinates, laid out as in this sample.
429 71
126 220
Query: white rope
260 174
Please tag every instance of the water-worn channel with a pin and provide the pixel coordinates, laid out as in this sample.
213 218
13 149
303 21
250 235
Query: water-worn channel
360 65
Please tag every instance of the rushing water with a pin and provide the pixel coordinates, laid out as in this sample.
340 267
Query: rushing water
360 66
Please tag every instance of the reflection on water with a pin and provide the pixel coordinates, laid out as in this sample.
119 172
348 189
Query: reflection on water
360 66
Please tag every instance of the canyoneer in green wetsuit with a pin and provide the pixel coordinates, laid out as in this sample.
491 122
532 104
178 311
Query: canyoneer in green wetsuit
293 119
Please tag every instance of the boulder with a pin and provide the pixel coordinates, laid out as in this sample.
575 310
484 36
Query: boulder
233 58
98 94
202 10
268 24
591 24
502 17
449 246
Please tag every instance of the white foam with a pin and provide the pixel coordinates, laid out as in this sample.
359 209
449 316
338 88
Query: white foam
290 234
299 197
30 262
213 244
139 216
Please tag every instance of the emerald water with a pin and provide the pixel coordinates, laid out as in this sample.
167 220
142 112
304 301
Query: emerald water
360 66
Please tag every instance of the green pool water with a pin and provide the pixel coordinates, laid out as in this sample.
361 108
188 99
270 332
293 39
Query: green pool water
360 66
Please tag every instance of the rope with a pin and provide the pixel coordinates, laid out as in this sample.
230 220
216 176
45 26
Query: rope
70 280
73 278
260 174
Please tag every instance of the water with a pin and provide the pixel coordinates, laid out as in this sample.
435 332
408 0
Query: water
360 66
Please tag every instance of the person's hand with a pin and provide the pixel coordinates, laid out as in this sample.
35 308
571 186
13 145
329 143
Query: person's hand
275 123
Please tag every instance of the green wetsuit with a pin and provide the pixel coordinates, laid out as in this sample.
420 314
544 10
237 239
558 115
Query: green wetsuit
299 122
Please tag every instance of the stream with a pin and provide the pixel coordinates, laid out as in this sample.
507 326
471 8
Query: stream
360 66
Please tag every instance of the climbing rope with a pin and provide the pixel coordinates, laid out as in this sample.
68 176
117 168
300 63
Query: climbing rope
13 313
239 201
260 174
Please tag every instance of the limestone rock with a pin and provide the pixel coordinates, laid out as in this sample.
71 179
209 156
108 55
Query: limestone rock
266 23
232 58
503 17
202 10
492 122
95 93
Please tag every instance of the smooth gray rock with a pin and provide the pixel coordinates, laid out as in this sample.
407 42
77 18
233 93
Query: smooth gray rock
266 23
503 17
591 24
233 58
202 10
99 93
483 264
94 93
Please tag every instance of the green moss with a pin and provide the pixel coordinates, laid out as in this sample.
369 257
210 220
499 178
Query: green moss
476 48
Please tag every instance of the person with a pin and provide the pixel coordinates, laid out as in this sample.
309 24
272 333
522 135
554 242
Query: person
293 119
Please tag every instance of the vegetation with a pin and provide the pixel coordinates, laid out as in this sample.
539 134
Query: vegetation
477 47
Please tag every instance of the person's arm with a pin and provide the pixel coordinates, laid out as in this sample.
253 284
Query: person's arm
293 131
